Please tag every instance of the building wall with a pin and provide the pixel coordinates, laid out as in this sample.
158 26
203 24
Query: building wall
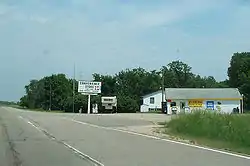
146 106
226 106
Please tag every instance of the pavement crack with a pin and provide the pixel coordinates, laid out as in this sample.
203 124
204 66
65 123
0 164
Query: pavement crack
15 155
74 150
21 133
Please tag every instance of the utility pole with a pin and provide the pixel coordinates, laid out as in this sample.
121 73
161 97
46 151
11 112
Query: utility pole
242 104
89 103
74 89
50 96
162 91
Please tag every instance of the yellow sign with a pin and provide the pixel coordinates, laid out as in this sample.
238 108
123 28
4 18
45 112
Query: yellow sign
195 103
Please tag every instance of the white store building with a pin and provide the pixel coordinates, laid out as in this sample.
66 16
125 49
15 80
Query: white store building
191 99
152 101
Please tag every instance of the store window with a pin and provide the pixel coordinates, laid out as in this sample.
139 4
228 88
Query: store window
152 100
173 104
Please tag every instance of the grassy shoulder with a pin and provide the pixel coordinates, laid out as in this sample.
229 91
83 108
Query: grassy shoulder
222 131
39 110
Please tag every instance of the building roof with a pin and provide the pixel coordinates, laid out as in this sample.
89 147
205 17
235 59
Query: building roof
152 94
202 93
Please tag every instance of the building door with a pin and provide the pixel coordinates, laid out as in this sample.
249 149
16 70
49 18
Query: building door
173 108
182 106
241 106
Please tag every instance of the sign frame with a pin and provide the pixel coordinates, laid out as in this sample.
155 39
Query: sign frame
89 87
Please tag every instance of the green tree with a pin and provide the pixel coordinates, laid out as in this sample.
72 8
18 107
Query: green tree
239 74
132 84
33 93
223 84
8 103
177 74
56 91
210 82
53 91
24 102
109 86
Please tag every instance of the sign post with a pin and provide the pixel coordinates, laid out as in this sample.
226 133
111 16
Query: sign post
89 104
89 88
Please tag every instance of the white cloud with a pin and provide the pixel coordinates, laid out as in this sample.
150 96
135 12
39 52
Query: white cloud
129 15
5 10
166 14
38 19
13 13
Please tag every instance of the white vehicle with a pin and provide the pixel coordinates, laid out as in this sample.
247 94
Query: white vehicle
109 103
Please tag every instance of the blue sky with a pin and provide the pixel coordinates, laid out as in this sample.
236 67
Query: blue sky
41 37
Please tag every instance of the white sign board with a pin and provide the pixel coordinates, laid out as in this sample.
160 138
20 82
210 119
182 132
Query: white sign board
88 87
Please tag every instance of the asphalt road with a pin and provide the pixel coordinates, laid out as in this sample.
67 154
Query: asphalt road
48 139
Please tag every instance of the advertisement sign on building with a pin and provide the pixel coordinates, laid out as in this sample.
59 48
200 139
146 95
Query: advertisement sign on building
89 87
210 105
195 103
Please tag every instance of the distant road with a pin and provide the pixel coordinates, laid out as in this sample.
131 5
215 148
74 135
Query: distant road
55 139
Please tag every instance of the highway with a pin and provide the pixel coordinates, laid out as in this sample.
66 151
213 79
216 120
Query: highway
56 139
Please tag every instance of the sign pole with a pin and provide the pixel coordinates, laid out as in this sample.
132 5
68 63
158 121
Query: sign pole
88 103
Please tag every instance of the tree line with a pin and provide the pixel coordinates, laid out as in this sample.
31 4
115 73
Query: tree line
55 92
7 103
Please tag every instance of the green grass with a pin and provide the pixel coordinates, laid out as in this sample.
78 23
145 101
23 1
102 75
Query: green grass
231 132
247 111
42 110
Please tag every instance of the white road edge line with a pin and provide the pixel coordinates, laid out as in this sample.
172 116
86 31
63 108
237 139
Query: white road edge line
97 163
78 151
162 139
